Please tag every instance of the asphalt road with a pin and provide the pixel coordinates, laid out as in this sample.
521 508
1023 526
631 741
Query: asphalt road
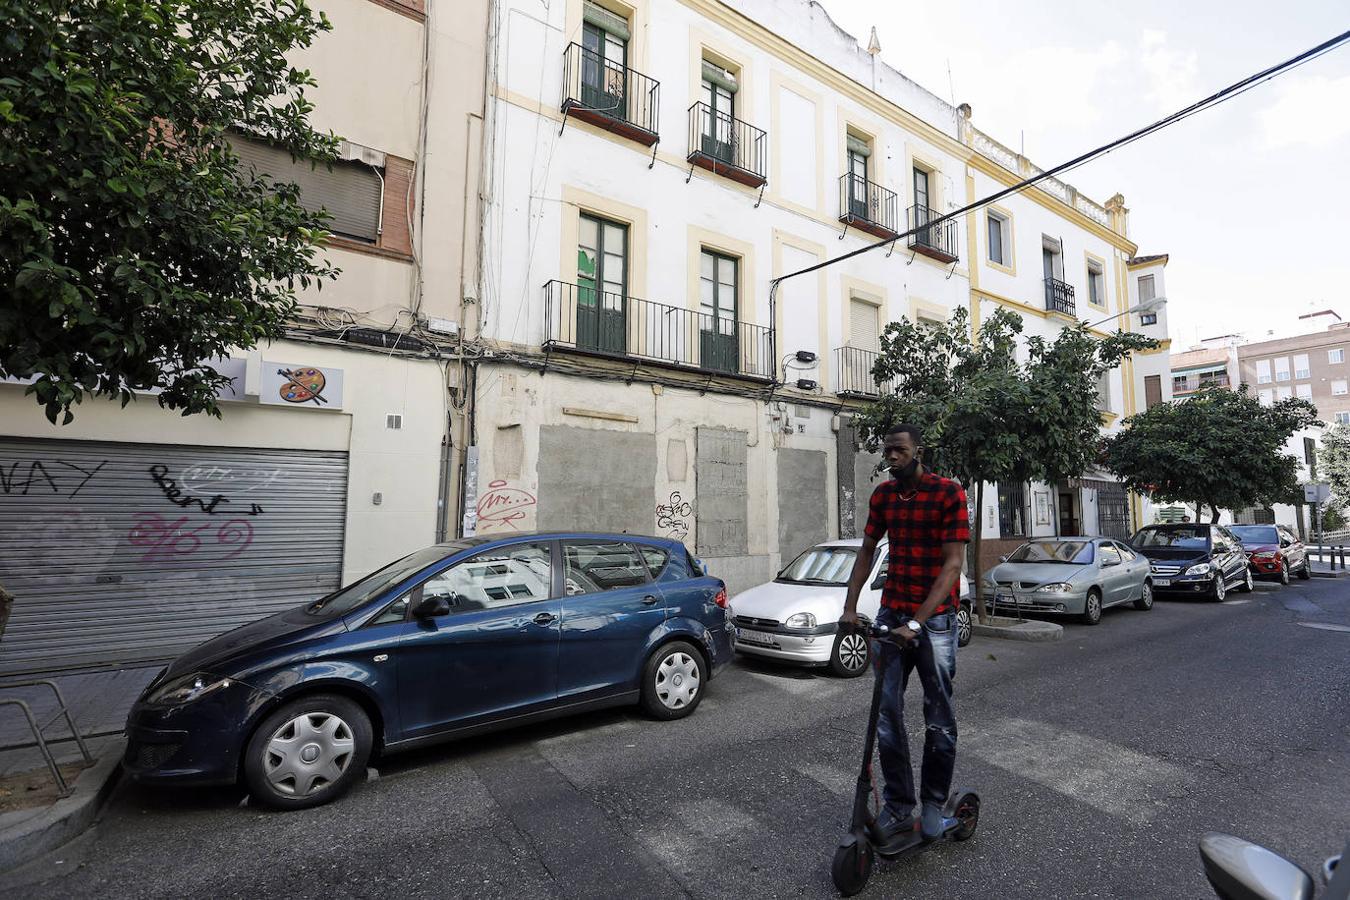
1100 760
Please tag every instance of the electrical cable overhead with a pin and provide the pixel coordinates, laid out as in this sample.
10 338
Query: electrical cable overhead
1221 96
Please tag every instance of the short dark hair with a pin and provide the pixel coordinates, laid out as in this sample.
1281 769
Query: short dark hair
915 434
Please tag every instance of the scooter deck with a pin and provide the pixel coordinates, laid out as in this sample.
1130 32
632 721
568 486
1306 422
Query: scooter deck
915 840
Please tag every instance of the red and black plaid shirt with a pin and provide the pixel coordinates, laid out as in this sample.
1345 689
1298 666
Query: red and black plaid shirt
916 528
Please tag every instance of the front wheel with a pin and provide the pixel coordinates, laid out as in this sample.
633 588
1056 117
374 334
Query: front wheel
1305 572
1220 589
1284 572
1092 608
1248 584
672 681
308 752
963 629
852 867
1145 601
850 655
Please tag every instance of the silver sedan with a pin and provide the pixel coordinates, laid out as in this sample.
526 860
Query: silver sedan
1078 576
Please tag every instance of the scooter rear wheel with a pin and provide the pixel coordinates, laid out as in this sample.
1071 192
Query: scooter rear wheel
968 813
852 867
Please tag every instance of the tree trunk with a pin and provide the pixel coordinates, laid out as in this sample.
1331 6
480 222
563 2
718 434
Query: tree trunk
1199 510
976 574
1214 514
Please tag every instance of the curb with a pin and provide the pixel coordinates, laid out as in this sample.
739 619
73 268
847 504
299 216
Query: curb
1029 630
65 819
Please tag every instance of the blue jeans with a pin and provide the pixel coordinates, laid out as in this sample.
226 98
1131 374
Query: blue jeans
933 655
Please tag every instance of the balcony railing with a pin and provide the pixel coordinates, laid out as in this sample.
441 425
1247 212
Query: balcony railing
1059 297
853 372
726 145
609 95
867 205
938 240
1187 384
604 323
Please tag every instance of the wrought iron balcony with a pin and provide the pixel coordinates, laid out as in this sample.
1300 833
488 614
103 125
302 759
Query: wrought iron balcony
866 205
1189 384
727 146
602 323
610 96
853 373
937 240
1059 297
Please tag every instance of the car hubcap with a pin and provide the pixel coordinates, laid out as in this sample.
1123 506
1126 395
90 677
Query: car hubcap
853 652
963 626
677 680
308 753
1148 595
1219 587
1094 606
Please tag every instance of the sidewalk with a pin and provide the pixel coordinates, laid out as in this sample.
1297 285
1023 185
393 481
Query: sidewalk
34 819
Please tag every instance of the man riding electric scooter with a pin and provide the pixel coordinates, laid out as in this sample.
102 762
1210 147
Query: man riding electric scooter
925 519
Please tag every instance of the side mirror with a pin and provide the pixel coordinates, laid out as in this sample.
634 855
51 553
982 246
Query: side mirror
1003 559
1285 543
431 607
1241 870
880 581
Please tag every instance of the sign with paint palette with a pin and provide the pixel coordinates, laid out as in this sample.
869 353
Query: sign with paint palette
298 384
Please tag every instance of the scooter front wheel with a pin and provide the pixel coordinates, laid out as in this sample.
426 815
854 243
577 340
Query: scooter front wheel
852 867
968 814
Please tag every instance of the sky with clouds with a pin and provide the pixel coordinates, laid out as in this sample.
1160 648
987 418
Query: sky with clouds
1251 199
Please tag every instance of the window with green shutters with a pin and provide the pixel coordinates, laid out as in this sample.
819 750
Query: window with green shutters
718 284
602 284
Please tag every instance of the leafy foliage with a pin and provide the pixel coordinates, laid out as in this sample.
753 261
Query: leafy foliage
986 416
1333 464
1218 447
133 249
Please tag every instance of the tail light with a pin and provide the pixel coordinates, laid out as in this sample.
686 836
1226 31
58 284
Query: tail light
721 598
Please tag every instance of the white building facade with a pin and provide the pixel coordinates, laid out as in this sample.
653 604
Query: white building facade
654 164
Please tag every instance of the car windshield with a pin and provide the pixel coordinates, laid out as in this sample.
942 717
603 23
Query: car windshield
821 565
343 601
1078 553
1256 534
1180 538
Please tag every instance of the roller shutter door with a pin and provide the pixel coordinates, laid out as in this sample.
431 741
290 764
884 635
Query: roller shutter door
120 553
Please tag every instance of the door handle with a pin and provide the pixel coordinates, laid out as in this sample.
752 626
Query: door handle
648 600
544 618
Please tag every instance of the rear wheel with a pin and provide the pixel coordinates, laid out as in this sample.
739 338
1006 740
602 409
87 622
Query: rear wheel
1145 601
968 812
963 629
672 681
850 655
1092 607
852 867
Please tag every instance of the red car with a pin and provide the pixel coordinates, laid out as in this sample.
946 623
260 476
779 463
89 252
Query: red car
1273 551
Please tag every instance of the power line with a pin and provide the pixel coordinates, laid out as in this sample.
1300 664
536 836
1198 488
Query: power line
1221 96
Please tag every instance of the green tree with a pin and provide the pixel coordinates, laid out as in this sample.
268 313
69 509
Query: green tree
1219 448
1333 465
985 416
133 248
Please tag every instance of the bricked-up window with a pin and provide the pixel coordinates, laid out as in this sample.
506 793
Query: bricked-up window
368 205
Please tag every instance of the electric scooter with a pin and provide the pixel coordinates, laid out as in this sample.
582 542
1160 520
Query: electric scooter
853 860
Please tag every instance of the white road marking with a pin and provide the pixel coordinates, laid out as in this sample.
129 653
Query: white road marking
683 845
816 687
1237 602
597 732
1114 779
1325 626
832 779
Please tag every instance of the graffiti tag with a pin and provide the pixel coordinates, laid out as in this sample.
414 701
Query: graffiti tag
176 496
164 539
209 477
503 506
673 516
16 481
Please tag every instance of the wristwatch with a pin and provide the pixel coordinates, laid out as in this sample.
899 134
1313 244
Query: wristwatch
914 626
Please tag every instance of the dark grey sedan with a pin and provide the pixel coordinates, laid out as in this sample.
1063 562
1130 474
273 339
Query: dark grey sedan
1078 576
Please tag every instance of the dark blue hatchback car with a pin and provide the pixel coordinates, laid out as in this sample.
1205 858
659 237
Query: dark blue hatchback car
452 640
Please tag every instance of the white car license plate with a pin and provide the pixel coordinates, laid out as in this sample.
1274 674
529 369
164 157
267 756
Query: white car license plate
1004 597
754 637
1162 582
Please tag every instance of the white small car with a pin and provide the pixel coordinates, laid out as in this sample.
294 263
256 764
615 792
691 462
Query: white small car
795 617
